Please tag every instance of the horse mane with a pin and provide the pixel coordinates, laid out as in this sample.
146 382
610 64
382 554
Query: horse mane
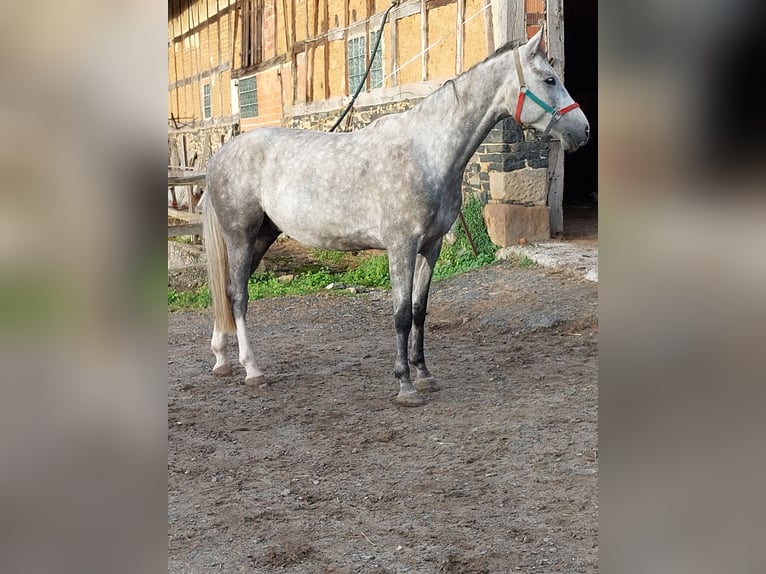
507 47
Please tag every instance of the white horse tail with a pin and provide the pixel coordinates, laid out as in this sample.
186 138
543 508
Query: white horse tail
217 267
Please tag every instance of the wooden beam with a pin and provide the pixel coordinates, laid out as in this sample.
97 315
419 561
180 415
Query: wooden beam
489 32
288 38
185 215
393 31
424 40
346 22
460 37
175 60
186 178
234 35
511 22
221 13
325 27
554 41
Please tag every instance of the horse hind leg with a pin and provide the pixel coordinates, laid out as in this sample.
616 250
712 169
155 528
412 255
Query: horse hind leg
424 268
267 234
218 346
240 258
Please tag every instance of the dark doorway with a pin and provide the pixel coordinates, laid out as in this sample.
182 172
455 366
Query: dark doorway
581 79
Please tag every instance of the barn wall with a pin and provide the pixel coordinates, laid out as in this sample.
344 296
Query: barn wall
441 26
303 77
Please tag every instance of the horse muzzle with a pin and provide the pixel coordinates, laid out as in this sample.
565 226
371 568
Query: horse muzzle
574 139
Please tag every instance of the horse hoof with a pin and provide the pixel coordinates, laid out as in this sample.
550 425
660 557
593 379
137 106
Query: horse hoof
427 385
258 382
223 371
411 399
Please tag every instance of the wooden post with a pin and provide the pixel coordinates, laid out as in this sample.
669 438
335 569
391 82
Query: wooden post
555 48
556 187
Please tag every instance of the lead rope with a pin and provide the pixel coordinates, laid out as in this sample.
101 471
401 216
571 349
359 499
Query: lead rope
362 82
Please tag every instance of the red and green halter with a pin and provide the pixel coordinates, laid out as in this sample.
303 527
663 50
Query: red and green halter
525 92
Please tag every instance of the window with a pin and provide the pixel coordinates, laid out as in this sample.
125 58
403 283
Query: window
207 111
248 97
252 32
376 71
356 62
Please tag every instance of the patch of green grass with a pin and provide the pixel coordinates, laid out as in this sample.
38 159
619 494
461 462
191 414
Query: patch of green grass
458 257
371 271
195 299
327 257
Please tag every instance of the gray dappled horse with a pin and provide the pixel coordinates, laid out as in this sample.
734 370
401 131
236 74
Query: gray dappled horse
394 185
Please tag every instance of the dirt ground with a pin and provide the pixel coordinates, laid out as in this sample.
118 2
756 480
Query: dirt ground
321 472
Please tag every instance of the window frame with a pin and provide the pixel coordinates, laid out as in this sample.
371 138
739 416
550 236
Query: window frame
353 60
376 78
207 101
248 109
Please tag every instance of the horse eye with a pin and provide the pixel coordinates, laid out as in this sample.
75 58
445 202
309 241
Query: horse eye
550 81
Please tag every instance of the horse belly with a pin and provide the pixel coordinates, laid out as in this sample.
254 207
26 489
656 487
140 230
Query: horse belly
325 224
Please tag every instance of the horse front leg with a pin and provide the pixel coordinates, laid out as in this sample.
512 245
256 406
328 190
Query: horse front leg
424 269
401 267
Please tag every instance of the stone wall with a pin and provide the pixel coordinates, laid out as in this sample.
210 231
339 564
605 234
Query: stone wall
193 141
199 145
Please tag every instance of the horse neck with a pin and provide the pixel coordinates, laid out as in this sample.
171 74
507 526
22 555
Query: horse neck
458 116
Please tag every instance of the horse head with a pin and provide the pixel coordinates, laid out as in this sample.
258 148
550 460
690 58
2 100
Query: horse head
539 100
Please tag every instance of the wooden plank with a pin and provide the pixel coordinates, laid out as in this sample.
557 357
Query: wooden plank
184 229
186 178
556 187
184 215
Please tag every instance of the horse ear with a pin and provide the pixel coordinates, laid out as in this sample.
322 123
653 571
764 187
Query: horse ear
532 47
